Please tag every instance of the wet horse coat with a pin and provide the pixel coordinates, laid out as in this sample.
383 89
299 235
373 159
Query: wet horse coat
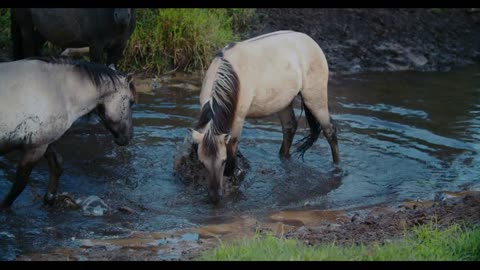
40 100
256 78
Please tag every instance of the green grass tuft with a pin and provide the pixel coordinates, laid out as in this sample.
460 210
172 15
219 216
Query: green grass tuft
181 39
456 243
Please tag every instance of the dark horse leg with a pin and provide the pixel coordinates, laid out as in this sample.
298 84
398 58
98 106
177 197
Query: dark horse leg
96 52
114 54
16 36
331 136
29 159
55 169
26 41
231 162
289 127
320 116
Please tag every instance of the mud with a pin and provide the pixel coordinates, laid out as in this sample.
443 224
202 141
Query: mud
380 224
348 226
188 168
378 39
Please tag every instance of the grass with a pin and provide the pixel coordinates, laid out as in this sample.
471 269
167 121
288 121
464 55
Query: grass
5 29
168 38
456 243
181 39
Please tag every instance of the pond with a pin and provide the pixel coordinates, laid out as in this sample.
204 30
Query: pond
402 136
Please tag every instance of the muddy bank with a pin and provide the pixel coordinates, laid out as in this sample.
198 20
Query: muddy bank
361 40
344 226
380 224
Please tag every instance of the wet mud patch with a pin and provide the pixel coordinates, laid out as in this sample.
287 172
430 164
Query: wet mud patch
384 223
189 170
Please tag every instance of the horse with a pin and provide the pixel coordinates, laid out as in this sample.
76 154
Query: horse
255 78
40 99
101 29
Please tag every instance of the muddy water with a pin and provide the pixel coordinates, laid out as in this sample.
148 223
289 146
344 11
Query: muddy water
402 136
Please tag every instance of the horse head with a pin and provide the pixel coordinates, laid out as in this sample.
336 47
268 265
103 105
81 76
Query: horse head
212 153
115 110
122 16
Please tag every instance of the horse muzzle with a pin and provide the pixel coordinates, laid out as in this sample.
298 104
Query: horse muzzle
122 140
215 191
215 197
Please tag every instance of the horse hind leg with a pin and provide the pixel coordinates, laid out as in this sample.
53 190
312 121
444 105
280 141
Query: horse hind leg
29 160
317 113
16 36
289 127
55 169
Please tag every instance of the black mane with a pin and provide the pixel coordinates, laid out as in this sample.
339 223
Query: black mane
96 72
220 110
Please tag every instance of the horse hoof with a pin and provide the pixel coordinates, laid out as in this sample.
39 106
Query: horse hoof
49 198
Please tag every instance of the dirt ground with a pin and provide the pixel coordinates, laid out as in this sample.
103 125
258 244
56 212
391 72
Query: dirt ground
360 40
379 224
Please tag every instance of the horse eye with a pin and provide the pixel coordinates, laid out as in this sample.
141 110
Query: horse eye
223 162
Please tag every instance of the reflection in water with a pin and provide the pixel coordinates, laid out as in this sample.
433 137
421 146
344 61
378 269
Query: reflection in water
402 136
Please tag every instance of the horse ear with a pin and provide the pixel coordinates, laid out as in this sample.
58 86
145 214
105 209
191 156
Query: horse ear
227 138
112 66
197 136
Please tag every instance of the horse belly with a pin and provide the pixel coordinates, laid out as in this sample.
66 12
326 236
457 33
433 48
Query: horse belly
271 95
62 27
273 102
28 120
32 130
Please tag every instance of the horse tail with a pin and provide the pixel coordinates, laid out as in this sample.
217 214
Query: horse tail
16 36
315 129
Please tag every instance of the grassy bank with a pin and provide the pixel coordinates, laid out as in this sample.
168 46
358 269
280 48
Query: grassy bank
455 243
182 39
168 38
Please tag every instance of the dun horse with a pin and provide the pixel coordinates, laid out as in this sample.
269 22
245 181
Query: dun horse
256 78
41 98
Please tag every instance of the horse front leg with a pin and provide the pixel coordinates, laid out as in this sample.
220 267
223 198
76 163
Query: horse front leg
29 160
96 52
114 54
289 127
55 169
28 42
231 162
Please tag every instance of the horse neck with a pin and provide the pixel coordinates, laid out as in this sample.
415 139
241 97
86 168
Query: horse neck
82 94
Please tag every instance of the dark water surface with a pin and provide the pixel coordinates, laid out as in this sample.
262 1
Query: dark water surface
402 136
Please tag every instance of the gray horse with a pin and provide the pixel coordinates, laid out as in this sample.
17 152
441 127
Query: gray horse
39 101
101 29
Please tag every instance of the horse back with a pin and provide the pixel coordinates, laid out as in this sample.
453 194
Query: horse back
78 27
273 68
32 103
28 89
